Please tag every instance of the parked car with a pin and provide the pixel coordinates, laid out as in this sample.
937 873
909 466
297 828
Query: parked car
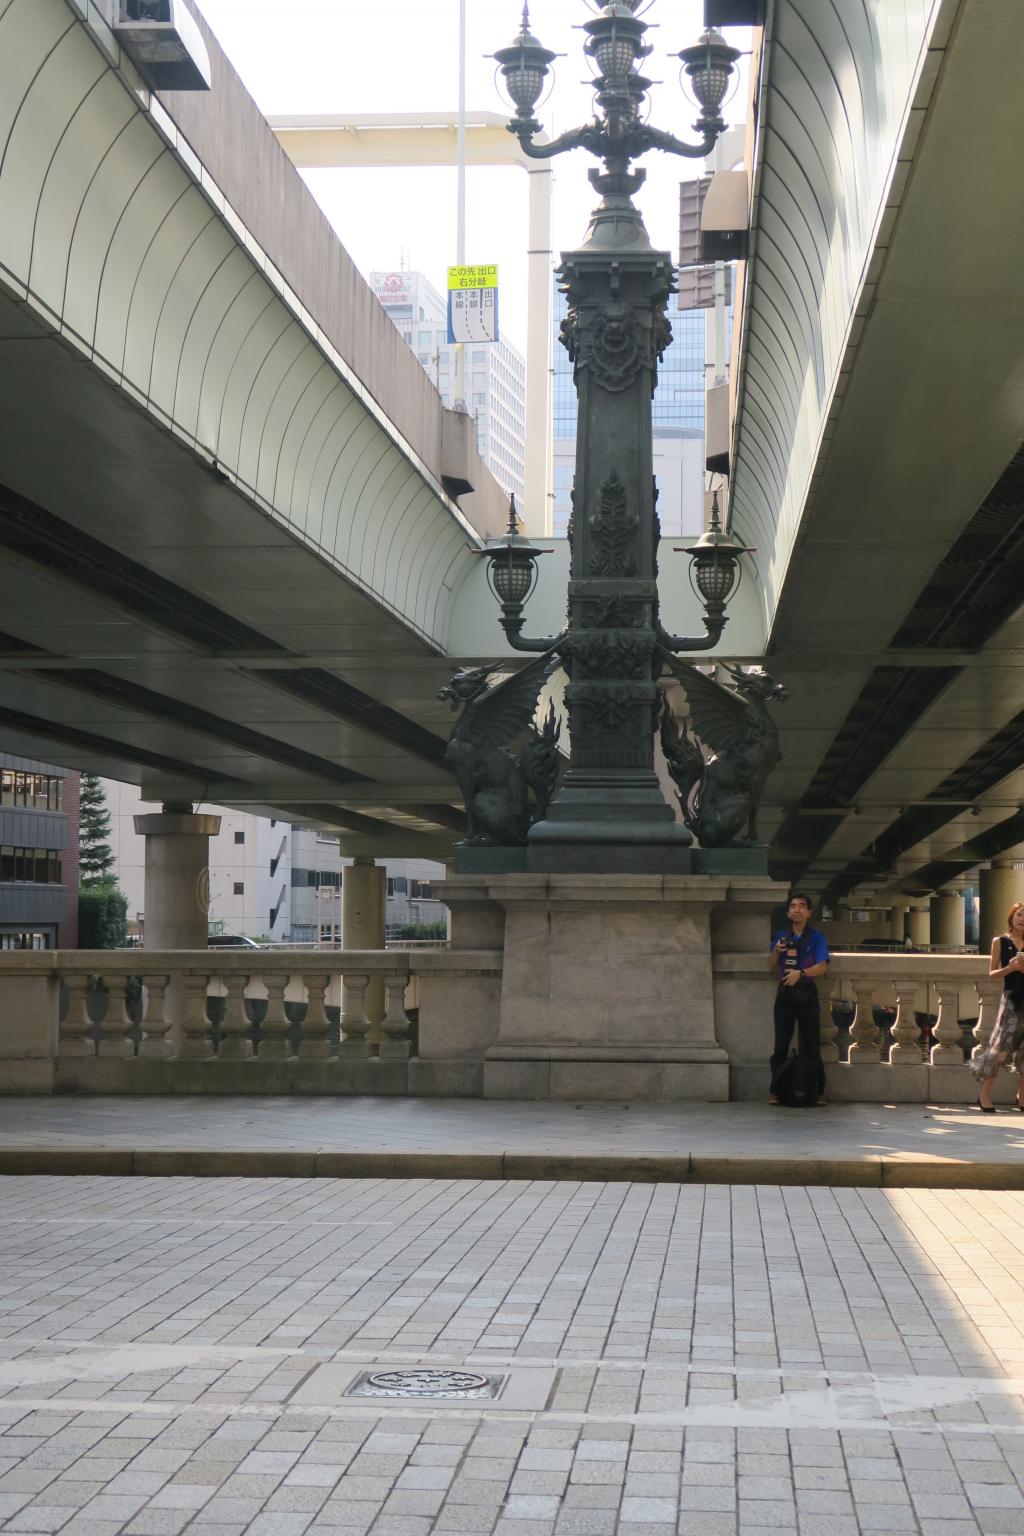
231 941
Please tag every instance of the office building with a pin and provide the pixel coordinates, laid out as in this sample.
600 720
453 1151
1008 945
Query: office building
268 880
38 855
495 372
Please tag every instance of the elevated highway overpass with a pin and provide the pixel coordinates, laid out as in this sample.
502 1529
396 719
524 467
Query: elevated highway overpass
239 548
234 515
878 420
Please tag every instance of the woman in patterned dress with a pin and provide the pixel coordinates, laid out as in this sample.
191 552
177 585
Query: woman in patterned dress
1006 1044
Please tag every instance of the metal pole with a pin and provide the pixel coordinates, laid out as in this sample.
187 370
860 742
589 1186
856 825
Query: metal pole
460 219
538 356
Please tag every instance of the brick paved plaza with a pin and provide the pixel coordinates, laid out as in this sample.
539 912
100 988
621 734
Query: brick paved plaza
175 1353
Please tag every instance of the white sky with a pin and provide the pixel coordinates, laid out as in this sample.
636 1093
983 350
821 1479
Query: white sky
402 56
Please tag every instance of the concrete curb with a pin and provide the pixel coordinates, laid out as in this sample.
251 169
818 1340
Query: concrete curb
686 1168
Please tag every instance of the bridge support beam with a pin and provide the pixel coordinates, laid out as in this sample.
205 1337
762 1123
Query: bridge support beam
364 895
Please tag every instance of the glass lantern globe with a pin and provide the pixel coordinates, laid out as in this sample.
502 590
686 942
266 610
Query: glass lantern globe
524 65
709 67
512 565
615 41
715 572
715 568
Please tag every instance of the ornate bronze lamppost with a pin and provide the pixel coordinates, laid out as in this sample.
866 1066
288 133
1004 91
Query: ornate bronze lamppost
610 813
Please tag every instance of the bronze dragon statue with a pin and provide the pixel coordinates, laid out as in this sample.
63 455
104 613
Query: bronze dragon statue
720 758
496 785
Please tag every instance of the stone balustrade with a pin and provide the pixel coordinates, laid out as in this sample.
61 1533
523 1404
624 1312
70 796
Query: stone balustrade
892 1024
245 1020
261 1022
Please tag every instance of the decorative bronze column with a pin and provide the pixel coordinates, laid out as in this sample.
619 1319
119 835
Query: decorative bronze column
610 812
615 332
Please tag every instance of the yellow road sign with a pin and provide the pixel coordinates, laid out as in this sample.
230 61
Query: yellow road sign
473 277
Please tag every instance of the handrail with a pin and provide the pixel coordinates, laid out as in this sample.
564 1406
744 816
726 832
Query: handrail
230 961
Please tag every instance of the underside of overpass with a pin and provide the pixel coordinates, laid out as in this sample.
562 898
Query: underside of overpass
228 544
877 453
230 577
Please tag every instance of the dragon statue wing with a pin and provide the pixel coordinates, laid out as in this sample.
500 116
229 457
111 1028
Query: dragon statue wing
721 719
507 709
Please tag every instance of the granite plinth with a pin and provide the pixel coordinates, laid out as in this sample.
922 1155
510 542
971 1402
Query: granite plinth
607 988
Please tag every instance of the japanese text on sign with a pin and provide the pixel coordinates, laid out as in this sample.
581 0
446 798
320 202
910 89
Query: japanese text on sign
473 277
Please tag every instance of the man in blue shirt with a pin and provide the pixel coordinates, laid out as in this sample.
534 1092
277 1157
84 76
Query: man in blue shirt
799 953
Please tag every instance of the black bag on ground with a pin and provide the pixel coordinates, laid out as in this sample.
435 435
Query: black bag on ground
797 1083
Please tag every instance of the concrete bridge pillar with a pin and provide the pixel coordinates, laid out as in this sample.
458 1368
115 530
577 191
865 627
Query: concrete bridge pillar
920 927
999 887
898 920
177 892
947 915
364 895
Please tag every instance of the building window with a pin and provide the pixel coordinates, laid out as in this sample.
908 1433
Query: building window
34 791
239 837
36 866
420 890
238 889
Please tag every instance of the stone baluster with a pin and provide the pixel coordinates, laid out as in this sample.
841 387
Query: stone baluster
355 1025
235 1044
990 994
906 1033
395 1045
865 1035
315 1046
195 1026
74 1033
947 1050
829 1027
155 1021
276 1044
116 1024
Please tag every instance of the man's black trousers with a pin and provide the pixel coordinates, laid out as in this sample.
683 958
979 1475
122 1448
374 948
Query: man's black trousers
798 1005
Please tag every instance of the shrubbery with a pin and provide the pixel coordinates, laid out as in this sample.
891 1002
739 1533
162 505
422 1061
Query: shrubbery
102 917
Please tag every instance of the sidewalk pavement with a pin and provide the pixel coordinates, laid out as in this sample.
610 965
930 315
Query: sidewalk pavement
867 1145
189 1357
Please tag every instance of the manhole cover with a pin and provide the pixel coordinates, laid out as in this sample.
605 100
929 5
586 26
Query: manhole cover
426 1383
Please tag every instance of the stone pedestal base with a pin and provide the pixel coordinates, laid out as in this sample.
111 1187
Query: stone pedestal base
619 1082
607 982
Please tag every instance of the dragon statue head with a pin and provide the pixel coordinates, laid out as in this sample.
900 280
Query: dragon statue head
465 686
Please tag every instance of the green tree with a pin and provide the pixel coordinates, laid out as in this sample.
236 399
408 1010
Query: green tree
95 855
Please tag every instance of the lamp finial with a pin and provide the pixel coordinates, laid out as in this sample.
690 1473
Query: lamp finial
513 520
